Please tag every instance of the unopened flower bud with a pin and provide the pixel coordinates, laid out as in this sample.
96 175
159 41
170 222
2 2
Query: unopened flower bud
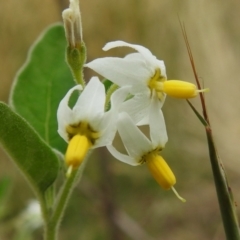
76 50
73 24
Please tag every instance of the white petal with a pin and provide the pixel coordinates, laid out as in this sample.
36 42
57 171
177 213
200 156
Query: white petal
120 70
107 128
118 97
135 142
144 51
65 113
158 131
144 121
141 88
90 103
162 67
108 124
139 57
137 107
122 157
136 56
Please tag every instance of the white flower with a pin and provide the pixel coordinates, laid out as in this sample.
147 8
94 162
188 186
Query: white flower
31 218
141 71
135 142
146 76
142 150
87 125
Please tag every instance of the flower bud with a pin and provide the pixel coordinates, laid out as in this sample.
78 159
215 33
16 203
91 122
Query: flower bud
73 24
76 50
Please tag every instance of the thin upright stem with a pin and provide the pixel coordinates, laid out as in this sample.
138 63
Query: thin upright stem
110 91
227 207
224 194
54 222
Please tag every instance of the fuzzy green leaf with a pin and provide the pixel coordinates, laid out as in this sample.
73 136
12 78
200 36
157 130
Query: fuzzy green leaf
32 155
5 185
41 83
4 188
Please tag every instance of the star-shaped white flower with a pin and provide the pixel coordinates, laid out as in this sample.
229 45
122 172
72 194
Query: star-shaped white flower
139 71
87 125
135 142
142 150
146 76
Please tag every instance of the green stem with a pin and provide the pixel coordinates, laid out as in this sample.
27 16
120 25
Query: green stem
51 227
44 207
110 91
224 194
53 224
49 196
227 207
78 74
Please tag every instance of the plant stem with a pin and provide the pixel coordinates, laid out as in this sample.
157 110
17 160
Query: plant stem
227 208
53 224
224 194
110 91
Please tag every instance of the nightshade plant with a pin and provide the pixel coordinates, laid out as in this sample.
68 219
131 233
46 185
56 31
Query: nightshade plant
35 126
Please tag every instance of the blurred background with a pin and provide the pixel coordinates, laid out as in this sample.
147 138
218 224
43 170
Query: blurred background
114 200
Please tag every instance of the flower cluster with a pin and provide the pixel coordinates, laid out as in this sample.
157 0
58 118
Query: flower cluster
136 97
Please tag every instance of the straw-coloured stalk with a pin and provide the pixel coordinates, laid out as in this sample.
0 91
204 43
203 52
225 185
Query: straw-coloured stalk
224 194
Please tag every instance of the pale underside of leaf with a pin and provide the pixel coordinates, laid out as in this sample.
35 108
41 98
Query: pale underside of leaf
32 155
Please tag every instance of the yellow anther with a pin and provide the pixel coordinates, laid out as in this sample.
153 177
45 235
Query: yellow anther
77 149
181 89
160 171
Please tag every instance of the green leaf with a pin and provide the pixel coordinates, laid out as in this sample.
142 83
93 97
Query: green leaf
32 155
41 83
199 116
4 188
5 185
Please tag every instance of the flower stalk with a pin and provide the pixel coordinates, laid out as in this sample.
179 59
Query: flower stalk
225 198
51 228
224 194
53 223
